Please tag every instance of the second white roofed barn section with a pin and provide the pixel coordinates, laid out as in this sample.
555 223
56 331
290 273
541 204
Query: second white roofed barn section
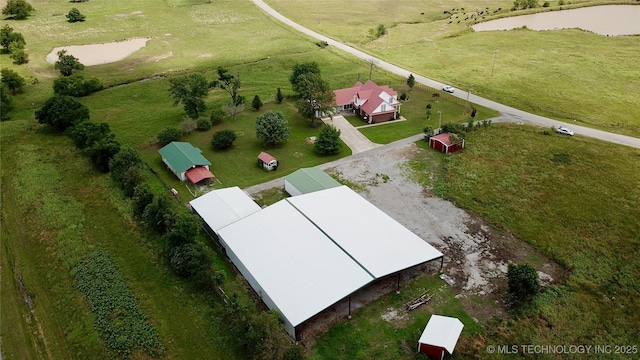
304 254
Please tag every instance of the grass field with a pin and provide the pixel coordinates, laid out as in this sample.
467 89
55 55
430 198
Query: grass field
579 202
56 210
550 73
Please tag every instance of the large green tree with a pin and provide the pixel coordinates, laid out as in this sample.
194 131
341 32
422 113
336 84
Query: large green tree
229 83
190 91
316 98
297 83
67 63
8 37
61 112
271 128
17 9
15 82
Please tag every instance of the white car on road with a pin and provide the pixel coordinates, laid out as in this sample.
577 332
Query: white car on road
447 88
564 131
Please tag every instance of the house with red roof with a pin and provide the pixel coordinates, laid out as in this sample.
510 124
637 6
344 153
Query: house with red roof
372 102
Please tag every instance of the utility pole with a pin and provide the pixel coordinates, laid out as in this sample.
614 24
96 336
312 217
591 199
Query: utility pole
465 109
440 122
494 61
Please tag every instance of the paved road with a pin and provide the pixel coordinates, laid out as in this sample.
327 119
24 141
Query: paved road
509 114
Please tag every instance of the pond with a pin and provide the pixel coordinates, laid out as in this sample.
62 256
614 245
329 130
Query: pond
96 54
610 20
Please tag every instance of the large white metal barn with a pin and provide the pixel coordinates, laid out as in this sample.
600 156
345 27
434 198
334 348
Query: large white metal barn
306 253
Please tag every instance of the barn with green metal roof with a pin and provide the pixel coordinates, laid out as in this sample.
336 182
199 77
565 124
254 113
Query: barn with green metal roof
308 180
186 161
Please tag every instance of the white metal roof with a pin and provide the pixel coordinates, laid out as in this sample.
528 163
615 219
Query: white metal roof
293 262
442 331
375 240
219 208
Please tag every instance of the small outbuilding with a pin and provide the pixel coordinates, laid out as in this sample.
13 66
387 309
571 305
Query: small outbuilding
186 161
440 336
267 162
308 180
445 144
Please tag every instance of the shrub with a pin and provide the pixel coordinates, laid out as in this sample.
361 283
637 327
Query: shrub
523 281
18 55
13 81
74 15
142 197
279 96
322 44
203 124
378 31
546 4
18 9
76 85
188 259
169 135
328 142
8 37
183 229
102 152
403 96
187 125
6 101
127 158
256 103
217 116
86 134
223 139
428 132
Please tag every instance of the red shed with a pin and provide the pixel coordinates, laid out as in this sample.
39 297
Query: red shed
440 336
443 143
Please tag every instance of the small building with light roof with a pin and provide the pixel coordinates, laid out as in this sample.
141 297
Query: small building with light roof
440 336
308 180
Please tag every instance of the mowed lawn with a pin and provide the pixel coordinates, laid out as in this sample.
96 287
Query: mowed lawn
565 75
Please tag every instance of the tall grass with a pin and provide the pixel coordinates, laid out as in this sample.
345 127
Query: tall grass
574 199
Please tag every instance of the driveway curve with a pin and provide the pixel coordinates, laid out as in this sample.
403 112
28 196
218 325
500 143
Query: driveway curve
509 114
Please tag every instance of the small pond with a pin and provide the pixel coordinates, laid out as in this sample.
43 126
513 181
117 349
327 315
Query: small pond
610 20
96 54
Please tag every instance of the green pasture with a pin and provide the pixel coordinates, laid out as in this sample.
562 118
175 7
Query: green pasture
577 201
565 75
